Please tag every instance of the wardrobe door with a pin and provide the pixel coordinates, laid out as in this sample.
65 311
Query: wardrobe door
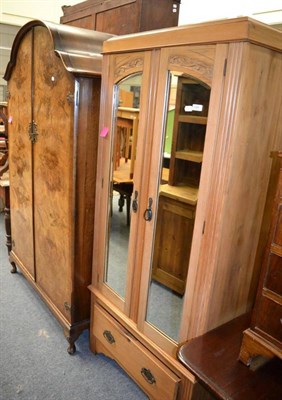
178 155
122 145
54 153
20 156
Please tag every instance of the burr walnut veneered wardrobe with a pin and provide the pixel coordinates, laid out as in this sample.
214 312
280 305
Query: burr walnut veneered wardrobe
54 79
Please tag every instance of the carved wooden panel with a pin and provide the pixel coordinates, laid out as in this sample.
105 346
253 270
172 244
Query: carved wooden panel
127 65
195 61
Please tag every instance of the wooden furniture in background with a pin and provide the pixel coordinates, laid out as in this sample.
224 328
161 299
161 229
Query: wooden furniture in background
122 16
3 127
5 191
229 57
125 98
191 114
127 120
213 359
52 161
263 340
4 170
125 153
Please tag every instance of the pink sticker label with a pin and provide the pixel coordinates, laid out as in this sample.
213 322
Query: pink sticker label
104 132
10 119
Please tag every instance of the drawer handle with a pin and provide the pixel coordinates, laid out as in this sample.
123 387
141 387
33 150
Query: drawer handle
148 376
109 337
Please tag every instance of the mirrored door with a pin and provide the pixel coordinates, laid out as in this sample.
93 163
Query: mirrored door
176 203
122 200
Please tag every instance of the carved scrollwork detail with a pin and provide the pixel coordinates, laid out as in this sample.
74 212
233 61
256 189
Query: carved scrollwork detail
135 63
193 64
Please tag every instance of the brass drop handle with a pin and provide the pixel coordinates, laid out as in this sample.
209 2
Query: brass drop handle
109 337
148 214
135 202
148 376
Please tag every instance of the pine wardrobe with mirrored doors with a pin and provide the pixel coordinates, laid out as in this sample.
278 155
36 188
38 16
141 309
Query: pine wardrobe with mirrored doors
186 129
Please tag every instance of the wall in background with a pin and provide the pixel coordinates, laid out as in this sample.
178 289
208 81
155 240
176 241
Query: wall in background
18 12
7 35
267 11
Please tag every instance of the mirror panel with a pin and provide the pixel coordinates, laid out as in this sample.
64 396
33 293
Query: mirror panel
126 118
179 177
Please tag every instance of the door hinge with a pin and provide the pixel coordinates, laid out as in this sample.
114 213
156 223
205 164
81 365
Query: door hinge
67 306
32 131
225 67
70 98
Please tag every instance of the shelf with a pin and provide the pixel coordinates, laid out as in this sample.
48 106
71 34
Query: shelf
193 119
189 155
276 249
185 194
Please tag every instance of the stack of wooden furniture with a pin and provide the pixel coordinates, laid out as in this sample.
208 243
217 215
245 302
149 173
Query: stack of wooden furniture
223 172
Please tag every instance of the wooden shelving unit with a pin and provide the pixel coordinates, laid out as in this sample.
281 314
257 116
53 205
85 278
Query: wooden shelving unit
189 155
185 194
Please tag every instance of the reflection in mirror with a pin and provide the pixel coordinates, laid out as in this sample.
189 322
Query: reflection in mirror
122 180
184 137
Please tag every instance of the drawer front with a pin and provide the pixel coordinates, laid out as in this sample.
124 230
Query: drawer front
273 278
278 228
148 372
270 318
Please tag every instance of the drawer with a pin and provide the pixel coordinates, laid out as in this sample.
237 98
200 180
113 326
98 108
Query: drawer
269 318
147 371
278 228
273 278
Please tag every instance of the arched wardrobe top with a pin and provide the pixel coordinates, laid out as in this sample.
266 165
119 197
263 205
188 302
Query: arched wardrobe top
79 49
